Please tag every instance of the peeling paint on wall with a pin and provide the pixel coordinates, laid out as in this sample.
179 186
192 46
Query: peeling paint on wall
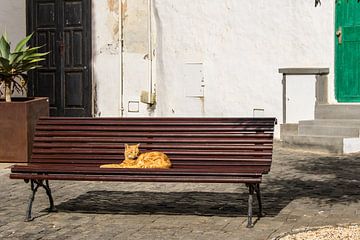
113 5
113 18
110 48
135 27
124 9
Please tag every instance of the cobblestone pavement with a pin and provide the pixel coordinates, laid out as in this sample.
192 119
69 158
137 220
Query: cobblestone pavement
302 190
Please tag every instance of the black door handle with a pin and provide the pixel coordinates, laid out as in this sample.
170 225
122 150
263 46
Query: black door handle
61 47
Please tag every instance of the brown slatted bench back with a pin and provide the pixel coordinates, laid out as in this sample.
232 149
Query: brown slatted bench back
243 143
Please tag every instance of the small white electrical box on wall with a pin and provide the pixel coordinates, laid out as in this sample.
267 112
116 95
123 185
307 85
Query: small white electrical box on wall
133 106
194 80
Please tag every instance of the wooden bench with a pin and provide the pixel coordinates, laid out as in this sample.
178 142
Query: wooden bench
202 150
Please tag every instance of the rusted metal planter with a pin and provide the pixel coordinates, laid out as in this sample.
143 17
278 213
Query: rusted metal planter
17 122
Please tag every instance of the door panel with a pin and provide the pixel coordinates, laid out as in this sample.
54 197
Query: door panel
74 86
347 52
45 14
45 86
65 77
73 13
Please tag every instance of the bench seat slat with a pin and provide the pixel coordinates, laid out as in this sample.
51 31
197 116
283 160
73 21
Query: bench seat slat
136 128
148 173
117 157
63 168
135 178
208 166
152 121
175 162
177 167
267 140
166 151
157 120
150 134
153 147
247 165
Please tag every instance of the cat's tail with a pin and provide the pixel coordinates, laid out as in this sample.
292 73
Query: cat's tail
111 166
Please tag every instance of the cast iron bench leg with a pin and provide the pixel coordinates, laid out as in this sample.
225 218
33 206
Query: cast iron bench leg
254 188
35 184
258 195
52 207
34 189
250 203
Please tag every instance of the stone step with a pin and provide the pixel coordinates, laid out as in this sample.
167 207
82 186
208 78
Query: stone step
332 122
288 129
337 111
337 131
337 145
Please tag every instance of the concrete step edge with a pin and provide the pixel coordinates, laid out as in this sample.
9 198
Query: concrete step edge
332 122
332 131
339 145
315 143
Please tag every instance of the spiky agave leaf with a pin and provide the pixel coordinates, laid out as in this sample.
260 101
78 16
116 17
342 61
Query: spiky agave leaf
5 64
22 43
14 65
36 55
13 57
4 47
28 53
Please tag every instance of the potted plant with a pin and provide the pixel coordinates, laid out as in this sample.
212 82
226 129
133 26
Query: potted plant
18 115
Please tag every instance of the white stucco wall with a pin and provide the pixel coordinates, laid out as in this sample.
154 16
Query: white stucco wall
15 27
119 77
241 45
235 46
13 19
136 68
106 58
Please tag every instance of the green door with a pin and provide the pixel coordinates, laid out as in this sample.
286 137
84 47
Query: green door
347 53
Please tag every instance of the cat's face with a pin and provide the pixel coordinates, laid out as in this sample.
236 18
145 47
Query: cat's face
132 151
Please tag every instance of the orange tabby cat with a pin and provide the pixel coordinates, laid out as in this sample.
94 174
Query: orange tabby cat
134 159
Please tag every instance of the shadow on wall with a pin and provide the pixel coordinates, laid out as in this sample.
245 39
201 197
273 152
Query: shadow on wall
325 180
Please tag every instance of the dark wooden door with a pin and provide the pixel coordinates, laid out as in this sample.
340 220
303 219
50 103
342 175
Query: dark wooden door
64 26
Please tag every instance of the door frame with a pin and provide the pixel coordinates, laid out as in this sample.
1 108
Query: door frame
88 39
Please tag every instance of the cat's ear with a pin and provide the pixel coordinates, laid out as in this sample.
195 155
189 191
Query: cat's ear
138 145
126 146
